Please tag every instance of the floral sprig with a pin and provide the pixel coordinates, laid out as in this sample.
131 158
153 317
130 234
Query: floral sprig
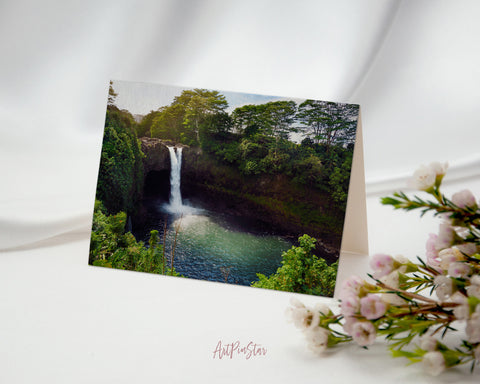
413 305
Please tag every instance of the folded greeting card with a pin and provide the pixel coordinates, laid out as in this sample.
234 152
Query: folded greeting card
229 187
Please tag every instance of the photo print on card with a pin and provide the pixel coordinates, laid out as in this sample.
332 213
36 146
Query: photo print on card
221 186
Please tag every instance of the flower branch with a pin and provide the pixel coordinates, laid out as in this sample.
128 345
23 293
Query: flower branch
391 306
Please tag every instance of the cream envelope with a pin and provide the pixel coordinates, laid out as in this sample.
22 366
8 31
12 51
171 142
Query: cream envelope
354 249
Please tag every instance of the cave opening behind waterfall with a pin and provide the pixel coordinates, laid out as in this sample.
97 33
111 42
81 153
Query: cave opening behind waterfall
157 184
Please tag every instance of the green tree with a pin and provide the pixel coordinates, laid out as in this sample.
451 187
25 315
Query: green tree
198 105
143 128
120 177
301 272
327 122
168 122
247 120
272 119
278 117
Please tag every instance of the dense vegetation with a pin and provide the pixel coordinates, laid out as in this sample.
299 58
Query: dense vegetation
112 247
120 180
302 272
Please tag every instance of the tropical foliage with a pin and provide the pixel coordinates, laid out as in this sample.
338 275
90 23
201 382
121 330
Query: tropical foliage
302 272
120 179
112 247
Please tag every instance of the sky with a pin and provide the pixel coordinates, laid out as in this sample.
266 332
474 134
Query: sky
141 98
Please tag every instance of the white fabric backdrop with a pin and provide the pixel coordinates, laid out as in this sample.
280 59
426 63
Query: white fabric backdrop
412 65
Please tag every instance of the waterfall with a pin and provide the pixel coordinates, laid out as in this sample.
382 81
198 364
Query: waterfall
175 203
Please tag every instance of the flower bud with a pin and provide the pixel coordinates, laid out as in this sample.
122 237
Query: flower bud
444 287
464 199
434 363
439 169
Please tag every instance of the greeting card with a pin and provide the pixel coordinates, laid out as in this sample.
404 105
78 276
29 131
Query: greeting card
229 187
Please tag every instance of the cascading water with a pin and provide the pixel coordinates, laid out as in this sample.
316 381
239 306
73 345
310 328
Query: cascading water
175 177
175 204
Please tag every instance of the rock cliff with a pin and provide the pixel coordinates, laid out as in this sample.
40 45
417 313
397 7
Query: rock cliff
156 153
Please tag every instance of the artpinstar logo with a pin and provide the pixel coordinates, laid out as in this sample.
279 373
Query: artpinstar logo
236 349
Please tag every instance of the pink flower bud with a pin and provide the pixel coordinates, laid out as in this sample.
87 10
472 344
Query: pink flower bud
432 252
467 248
428 343
439 168
434 363
446 235
350 304
364 333
449 256
372 307
352 285
382 265
464 199
444 287
473 328
459 269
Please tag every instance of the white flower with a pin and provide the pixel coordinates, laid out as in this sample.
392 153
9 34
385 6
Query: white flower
433 363
449 256
423 179
428 343
473 328
297 316
363 333
392 281
317 339
444 287
464 199
305 318
301 316
459 269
